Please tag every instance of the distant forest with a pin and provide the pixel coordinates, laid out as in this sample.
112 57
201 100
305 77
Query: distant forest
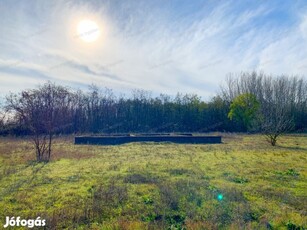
62 110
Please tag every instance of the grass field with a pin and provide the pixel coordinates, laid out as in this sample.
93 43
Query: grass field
243 183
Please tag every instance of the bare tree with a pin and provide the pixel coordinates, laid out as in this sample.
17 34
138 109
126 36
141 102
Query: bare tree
276 107
44 111
275 125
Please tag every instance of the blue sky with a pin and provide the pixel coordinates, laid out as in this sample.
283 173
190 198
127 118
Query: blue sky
164 46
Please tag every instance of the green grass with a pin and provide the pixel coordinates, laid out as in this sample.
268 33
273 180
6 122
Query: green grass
159 186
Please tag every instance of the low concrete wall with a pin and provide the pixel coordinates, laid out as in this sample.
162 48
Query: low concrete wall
117 140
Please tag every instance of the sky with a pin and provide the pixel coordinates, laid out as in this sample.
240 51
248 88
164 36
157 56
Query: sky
162 46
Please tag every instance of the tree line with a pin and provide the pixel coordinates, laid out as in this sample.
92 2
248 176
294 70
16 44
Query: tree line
52 109
101 111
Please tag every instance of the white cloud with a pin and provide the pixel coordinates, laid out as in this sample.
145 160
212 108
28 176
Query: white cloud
143 47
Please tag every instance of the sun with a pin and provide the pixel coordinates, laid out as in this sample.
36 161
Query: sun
88 30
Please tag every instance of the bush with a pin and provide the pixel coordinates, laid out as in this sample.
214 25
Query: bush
107 198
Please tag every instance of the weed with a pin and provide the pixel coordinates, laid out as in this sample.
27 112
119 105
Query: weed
137 178
73 178
181 171
107 198
147 199
292 172
292 226
240 180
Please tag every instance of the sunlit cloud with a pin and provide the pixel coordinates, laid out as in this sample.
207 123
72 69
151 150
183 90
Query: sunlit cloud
163 47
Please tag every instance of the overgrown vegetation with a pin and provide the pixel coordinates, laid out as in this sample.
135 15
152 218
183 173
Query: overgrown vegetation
253 101
240 184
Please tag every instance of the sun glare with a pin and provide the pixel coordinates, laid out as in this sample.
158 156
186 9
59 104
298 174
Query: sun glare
88 30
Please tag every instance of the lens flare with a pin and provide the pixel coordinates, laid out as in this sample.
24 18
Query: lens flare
220 197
